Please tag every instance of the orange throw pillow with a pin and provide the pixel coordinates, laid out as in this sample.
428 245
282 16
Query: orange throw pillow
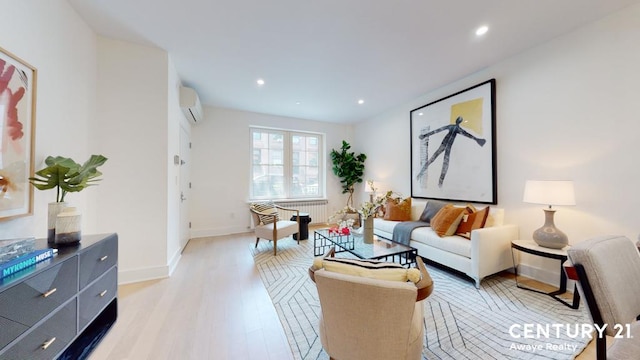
474 219
398 210
446 221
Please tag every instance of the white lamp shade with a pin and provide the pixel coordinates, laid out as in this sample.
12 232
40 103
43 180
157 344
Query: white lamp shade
367 187
552 192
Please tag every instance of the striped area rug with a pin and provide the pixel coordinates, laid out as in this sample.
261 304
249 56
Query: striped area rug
461 322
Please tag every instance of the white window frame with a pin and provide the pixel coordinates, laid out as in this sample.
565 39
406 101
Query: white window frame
288 164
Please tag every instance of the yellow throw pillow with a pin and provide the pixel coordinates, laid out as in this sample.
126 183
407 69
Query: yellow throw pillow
473 219
398 210
372 269
446 221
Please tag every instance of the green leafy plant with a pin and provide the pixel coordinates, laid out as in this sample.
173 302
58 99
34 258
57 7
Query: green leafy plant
67 176
349 167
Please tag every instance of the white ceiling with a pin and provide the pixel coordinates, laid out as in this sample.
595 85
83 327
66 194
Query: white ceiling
327 54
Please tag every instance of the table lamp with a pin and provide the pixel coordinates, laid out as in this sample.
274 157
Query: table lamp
370 189
549 193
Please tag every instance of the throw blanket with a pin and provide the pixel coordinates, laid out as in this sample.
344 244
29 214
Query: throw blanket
402 231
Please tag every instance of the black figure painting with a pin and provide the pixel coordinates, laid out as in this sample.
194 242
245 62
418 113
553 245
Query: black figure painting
453 147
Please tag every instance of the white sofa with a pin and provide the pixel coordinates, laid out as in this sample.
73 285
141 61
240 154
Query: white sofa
486 253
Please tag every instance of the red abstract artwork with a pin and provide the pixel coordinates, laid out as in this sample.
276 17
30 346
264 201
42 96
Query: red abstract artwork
17 116
12 98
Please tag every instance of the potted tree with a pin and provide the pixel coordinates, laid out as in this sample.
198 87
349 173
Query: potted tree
65 175
349 167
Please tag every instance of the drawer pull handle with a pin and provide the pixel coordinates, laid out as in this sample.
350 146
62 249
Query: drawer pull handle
48 293
104 258
48 343
102 294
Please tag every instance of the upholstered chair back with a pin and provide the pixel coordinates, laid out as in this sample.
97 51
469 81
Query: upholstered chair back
612 267
364 318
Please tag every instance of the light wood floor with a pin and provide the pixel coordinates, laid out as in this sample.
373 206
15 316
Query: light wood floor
213 307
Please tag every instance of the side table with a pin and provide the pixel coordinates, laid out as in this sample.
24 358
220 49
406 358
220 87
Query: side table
304 226
530 247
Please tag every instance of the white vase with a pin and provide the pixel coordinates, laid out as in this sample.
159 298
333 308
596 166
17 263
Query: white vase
68 225
54 209
368 230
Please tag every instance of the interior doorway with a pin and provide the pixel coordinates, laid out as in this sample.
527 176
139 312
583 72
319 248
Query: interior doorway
185 186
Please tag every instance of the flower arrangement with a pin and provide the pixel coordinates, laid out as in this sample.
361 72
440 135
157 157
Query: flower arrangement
371 208
343 225
368 209
339 231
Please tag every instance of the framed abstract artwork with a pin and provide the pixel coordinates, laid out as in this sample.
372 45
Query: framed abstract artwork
453 153
17 129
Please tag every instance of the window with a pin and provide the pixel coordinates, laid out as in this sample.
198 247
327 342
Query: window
286 164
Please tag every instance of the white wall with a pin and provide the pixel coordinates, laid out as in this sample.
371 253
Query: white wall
565 110
221 177
119 99
176 120
132 126
49 35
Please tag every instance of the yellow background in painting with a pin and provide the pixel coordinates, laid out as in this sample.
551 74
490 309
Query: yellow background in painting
471 112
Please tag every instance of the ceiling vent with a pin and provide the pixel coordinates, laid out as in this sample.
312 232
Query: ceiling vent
190 104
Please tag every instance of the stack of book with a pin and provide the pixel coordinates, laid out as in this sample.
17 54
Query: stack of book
12 248
17 255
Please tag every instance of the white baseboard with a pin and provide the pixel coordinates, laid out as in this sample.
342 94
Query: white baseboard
200 233
543 275
145 274
175 259
152 273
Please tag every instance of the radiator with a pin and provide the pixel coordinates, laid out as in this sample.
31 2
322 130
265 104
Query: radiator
317 209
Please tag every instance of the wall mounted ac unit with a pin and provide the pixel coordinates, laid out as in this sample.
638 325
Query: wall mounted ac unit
190 104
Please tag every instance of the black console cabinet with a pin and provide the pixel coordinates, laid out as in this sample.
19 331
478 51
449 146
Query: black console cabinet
63 306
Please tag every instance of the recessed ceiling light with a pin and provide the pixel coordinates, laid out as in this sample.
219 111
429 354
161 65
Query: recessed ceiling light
260 82
420 114
297 102
482 30
360 101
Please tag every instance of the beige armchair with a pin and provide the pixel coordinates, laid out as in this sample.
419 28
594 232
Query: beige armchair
368 318
607 269
269 226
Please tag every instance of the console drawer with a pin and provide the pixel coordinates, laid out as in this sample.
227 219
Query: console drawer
97 260
61 326
97 296
31 300
9 330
